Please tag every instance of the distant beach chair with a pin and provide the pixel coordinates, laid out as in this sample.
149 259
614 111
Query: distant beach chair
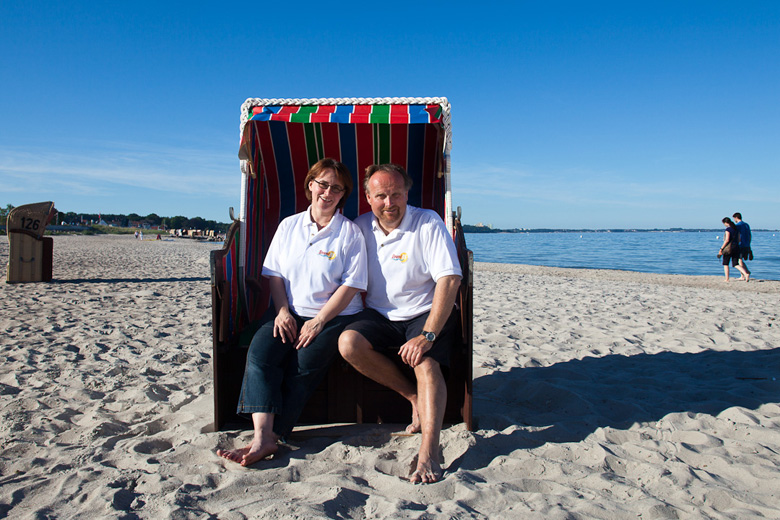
280 140
31 253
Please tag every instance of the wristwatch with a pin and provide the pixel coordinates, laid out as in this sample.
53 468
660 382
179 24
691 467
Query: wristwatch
429 336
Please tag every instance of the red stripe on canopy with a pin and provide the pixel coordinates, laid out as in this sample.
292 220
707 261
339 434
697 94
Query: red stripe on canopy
331 144
399 114
296 136
365 158
399 144
270 173
322 115
361 114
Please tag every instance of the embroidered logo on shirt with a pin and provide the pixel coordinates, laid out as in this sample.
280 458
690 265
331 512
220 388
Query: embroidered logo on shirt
330 255
403 257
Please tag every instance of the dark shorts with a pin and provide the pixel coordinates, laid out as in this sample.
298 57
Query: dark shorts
744 252
734 260
388 336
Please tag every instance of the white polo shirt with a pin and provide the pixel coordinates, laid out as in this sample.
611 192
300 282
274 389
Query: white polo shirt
313 264
404 266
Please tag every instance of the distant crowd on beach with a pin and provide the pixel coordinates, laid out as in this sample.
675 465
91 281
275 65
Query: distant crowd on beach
736 246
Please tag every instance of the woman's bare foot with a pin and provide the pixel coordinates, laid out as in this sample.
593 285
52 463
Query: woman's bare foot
253 452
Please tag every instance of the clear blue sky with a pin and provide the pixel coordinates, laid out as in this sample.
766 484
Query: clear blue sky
565 115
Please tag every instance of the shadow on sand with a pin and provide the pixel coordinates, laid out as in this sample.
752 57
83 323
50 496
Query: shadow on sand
571 400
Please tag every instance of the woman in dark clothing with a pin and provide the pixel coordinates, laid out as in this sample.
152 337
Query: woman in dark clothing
730 249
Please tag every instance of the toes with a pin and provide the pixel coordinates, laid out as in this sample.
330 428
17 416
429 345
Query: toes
232 455
229 455
425 477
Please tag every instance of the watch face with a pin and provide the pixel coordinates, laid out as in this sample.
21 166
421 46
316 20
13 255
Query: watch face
430 336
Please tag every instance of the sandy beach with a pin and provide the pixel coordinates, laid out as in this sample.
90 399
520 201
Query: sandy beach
597 394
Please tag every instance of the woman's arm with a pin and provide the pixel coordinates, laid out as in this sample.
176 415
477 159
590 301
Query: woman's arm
726 240
336 303
284 324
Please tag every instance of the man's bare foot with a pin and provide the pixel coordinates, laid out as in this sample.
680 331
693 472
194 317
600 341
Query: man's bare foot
414 427
427 472
251 453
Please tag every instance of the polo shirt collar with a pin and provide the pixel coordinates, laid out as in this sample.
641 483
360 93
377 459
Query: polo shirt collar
403 227
309 224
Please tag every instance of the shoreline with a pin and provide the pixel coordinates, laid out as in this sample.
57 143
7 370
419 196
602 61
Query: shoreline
683 280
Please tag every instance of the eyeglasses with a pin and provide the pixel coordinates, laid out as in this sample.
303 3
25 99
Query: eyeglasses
334 188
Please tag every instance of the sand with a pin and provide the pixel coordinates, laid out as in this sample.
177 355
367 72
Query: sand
597 394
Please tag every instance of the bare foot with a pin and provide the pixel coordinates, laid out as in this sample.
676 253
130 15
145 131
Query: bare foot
251 453
414 427
427 472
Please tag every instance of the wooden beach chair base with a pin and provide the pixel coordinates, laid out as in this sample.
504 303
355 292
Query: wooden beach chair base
345 396
30 256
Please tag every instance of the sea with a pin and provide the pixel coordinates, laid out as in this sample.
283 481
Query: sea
665 252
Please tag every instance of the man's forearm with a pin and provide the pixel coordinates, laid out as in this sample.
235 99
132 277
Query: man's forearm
443 300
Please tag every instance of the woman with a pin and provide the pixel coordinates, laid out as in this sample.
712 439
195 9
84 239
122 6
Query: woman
730 249
316 268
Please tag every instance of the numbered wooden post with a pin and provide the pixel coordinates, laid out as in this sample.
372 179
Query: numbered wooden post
30 257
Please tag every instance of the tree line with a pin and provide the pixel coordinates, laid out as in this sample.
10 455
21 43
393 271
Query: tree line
130 220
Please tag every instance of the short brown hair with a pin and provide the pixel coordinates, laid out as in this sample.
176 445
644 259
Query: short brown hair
341 171
389 168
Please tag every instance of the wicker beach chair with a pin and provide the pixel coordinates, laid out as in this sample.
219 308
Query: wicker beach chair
280 140
30 255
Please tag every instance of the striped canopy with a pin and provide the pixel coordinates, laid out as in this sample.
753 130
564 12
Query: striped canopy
389 114
281 139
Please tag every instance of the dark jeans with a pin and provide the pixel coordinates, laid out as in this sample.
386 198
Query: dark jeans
279 379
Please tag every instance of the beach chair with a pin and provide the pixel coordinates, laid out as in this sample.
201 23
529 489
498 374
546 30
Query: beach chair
30 253
280 140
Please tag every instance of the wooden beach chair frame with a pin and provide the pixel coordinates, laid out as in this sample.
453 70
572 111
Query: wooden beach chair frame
280 140
30 253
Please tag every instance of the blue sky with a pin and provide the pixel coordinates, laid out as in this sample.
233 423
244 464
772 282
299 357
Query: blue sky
565 114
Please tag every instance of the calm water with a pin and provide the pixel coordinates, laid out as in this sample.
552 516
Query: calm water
690 253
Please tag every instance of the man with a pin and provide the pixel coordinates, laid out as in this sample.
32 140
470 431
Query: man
413 279
744 242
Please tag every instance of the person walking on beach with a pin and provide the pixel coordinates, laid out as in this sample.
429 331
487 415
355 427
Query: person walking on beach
730 250
745 252
316 268
413 279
